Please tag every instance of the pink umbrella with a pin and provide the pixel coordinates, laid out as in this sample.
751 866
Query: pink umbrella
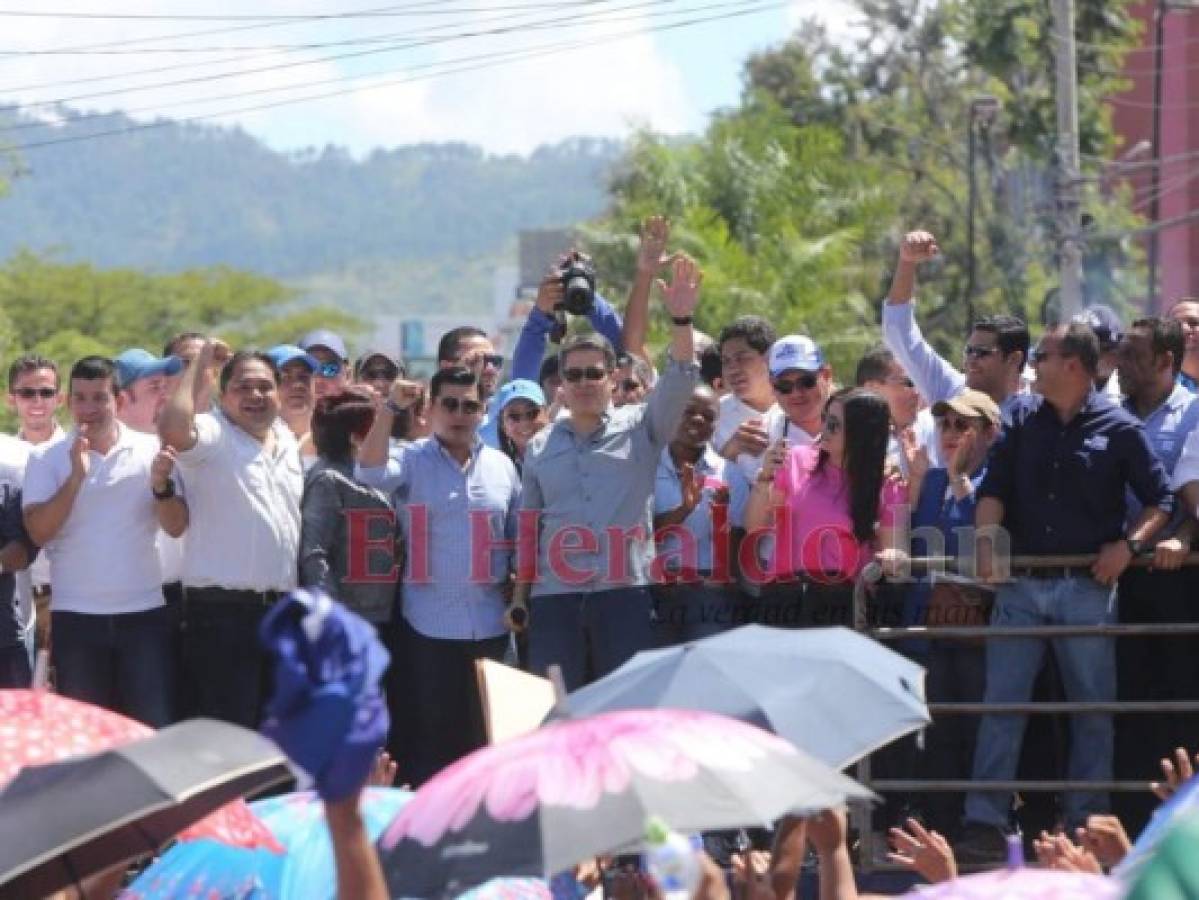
578 788
1023 884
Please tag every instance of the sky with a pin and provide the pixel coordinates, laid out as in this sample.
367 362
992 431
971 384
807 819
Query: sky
529 72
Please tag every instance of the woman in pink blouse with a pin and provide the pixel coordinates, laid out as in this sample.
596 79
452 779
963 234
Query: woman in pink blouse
831 507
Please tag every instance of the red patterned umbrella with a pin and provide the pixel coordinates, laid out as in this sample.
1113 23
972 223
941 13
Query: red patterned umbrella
38 727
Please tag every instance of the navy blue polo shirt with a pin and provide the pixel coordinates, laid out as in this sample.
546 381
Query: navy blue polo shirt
1063 485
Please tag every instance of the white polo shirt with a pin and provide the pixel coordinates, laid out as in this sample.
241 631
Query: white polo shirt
243 528
103 560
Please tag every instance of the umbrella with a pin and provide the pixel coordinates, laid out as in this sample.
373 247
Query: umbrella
1023 884
538 804
1183 805
830 691
1173 871
65 821
37 727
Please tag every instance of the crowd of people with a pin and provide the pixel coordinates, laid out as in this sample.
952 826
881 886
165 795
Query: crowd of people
601 501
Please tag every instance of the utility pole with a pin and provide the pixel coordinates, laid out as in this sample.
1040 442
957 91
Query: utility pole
1069 177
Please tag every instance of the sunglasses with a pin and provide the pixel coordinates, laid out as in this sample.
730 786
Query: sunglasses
515 416
832 425
329 369
901 381
957 426
380 374
629 385
591 373
804 382
31 393
1039 356
974 351
453 405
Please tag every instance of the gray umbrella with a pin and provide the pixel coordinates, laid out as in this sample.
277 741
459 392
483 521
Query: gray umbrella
830 691
64 822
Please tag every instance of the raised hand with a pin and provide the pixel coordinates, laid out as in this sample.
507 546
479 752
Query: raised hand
924 852
383 772
651 256
162 467
918 247
682 294
959 464
405 393
80 449
1176 772
692 486
914 455
827 831
1056 851
751 876
1106 839
751 437
549 293
773 460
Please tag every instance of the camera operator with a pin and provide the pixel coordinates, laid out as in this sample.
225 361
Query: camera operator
569 288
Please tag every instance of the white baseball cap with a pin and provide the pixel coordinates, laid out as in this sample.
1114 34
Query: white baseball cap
795 351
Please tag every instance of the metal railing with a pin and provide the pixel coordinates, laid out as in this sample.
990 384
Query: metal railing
862 812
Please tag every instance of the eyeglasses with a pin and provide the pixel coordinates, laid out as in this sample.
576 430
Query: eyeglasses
453 405
832 425
901 381
1039 356
31 393
976 351
956 425
380 374
330 369
515 416
629 385
591 373
804 382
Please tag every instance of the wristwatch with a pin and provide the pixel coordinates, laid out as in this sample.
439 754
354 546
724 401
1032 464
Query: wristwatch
166 493
1134 547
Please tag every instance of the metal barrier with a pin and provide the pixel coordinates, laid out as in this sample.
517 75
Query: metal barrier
861 811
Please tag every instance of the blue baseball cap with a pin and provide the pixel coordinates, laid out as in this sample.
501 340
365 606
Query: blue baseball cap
1105 322
520 389
137 363
286 353
795 351
322 337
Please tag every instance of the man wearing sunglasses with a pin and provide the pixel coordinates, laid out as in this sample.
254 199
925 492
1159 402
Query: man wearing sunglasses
590 475
330 352
450 491
470 347
993 356
880 371
1056 485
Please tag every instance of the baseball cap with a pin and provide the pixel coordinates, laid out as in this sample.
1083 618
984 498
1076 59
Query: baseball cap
378 354
520 389
286 353
322 337
1105 322
137 363
795 351
969 403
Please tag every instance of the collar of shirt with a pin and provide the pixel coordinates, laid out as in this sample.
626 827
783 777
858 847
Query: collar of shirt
445 454
122 442
709 461
1093 402
1178 397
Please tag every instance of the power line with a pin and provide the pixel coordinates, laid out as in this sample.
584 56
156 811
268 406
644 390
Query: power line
520 55
294 17
357 54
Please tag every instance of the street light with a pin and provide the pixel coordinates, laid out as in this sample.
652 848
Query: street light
1159 52
983 110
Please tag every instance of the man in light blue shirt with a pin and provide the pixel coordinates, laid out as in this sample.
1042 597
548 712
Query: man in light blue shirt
590 477
458 499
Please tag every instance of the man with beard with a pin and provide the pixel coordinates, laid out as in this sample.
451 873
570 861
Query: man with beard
242 468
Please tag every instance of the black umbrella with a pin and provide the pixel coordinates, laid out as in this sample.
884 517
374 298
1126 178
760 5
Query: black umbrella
63 822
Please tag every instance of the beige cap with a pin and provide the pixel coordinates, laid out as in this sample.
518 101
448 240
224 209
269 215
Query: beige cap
969 403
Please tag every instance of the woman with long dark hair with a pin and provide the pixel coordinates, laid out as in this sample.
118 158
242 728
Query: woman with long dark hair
832 506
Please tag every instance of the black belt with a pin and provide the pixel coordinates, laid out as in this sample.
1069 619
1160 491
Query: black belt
230 596
1052 572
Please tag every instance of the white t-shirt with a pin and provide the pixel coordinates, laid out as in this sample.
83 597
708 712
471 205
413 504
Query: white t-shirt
734 413
244 508
103 560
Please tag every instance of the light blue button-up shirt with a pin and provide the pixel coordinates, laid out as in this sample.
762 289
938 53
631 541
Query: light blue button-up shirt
584 485
435 498
668 496
1167 428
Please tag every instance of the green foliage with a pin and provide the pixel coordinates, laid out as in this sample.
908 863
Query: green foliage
794 202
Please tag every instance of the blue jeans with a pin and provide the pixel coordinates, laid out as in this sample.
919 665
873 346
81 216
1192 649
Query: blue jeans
14 667
1088 670
121 662
604 629
691 612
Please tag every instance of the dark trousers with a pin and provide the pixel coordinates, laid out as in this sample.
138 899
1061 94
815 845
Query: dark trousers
691 612
957 673
121 662
588 635
1154 668
14 667
227 671
438 699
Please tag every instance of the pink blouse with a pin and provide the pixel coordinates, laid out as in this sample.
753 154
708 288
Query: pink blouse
816 531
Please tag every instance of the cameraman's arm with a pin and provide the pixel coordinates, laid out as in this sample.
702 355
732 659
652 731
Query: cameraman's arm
606 321
530 345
